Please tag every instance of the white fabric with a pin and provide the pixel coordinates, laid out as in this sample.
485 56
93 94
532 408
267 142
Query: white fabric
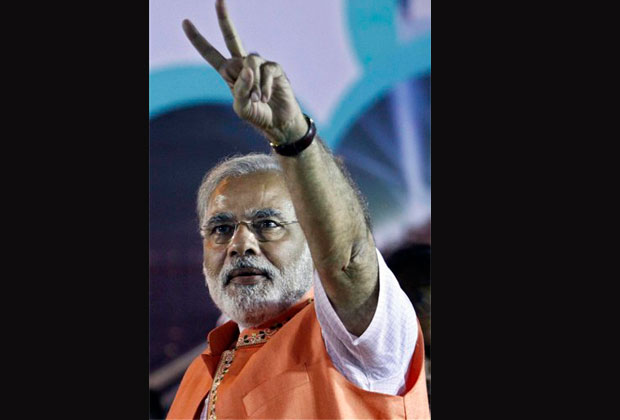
203 414
378 360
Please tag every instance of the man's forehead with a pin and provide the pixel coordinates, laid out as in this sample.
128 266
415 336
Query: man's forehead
250 195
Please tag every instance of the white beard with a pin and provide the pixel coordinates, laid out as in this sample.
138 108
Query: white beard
251 305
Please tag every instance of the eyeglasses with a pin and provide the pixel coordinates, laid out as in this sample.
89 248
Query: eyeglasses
265 230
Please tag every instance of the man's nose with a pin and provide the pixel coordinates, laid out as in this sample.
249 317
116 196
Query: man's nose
243 242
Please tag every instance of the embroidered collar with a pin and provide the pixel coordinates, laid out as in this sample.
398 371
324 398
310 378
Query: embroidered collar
251 337
262 333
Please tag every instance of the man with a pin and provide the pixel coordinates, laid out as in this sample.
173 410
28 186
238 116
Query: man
278 230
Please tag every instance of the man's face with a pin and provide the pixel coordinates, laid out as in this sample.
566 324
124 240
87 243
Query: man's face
252 280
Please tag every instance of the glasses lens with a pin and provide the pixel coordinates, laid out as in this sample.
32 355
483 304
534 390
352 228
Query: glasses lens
222 234
268 230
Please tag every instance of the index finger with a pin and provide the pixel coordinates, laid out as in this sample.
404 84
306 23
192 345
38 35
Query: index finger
233 42
203 46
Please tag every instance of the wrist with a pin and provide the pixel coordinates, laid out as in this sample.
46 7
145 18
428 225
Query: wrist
290 132
297 130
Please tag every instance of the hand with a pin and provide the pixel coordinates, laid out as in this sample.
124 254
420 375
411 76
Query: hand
262 93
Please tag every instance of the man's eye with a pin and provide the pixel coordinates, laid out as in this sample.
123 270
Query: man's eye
222 230
266 224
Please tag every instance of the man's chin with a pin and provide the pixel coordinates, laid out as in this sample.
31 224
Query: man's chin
253 314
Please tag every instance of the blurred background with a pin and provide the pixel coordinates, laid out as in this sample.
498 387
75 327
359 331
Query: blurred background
360 68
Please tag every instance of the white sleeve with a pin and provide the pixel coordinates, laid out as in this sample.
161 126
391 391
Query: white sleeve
378 360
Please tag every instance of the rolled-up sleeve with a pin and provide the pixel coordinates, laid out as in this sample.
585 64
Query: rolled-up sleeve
377 360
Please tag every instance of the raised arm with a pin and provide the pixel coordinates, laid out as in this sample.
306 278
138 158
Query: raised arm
327 206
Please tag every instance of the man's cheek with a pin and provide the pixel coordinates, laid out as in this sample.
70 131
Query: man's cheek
208 269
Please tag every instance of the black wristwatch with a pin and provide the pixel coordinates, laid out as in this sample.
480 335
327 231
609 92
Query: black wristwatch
296 147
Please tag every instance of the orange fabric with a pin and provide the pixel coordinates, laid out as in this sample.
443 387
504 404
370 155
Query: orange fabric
290 376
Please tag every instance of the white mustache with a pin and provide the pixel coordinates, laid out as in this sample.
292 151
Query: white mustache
247 262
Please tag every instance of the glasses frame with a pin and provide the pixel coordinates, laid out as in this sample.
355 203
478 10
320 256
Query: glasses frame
247 224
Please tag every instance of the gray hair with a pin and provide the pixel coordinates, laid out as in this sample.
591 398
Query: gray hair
233 166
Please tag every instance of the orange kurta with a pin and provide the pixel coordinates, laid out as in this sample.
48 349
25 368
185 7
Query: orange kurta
282 370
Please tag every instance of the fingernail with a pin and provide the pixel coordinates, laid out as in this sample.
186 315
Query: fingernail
254 96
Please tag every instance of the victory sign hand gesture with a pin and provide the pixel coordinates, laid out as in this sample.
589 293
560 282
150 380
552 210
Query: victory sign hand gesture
262 93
